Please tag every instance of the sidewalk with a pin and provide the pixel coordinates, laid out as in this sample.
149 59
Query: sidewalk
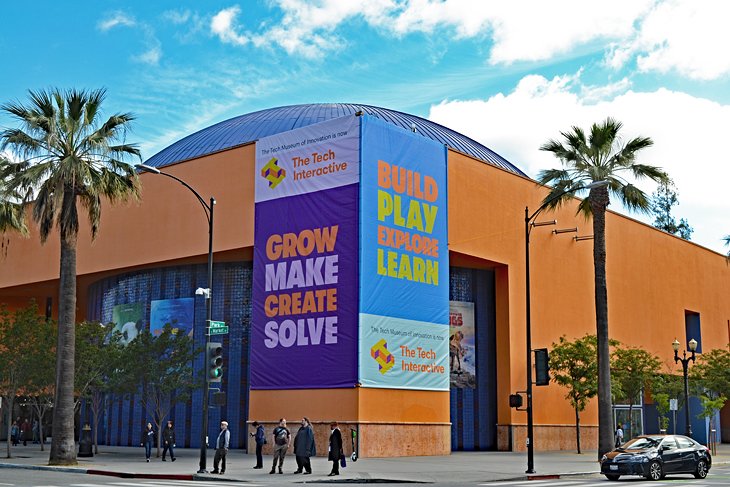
459 466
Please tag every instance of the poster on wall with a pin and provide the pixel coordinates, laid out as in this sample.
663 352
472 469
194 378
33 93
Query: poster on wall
178 313
462 345
404 261
304 326
128 321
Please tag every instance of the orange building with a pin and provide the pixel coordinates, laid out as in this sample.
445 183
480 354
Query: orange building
659 288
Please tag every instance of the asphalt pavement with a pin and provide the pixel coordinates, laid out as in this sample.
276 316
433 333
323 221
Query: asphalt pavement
467 467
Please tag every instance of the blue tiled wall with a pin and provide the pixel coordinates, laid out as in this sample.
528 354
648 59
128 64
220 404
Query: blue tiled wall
474 411
231 303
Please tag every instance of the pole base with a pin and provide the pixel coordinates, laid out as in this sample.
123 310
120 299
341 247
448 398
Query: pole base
530 471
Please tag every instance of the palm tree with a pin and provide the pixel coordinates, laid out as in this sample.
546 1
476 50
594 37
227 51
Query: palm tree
11 211
66 157
727 242
600 157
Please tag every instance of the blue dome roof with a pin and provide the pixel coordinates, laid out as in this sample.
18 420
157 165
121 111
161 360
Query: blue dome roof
253 126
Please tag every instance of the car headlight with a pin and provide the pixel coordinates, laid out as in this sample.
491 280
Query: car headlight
639 459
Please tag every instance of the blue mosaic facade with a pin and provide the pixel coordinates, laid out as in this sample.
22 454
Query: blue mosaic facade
123 418
473 411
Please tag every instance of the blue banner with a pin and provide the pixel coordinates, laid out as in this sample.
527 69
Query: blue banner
404 260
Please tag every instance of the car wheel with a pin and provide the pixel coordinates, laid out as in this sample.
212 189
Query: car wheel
655 471
611 476
701 471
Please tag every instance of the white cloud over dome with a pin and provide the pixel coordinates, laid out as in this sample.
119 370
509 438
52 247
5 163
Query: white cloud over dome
688 134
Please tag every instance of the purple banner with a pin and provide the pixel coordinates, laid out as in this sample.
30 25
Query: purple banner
304 332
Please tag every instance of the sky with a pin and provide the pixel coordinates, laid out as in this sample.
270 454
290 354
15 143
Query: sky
510 74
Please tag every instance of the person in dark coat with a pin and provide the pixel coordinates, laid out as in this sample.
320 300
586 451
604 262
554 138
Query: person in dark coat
260 438
335 449
25 430
168 440
148 440
304 447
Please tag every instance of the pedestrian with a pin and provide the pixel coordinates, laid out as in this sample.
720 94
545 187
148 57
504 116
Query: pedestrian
147 440
619 436
304 447
36 432
221 448
14 433
281 445
335 449
168 439
260 438
25 430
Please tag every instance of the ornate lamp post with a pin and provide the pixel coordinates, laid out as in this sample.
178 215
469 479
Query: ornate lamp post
685 364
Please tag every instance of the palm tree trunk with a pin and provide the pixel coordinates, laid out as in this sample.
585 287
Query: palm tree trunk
599 202
63 447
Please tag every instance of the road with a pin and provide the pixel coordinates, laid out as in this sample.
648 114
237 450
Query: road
719 476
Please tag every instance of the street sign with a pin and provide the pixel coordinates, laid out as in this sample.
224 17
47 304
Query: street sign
673 404
217 328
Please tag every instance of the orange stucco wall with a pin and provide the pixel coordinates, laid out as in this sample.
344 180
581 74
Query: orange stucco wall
652 279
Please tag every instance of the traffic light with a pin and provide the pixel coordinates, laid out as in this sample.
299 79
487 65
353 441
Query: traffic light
214 361
542 377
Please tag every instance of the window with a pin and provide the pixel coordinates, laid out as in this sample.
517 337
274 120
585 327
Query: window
692 329
669 444
684 442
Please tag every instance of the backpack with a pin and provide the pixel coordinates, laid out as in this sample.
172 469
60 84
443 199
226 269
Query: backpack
281 435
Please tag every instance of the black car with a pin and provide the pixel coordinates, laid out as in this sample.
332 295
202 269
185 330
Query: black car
654 456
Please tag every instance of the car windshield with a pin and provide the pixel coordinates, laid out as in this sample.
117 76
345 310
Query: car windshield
640 443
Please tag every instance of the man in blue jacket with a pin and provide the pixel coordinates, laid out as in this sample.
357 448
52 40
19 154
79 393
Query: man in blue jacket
260 437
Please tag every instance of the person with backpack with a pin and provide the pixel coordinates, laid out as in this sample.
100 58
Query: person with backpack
281 445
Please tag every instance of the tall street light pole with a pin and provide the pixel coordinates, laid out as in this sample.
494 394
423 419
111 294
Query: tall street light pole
529 224
208 207
685 364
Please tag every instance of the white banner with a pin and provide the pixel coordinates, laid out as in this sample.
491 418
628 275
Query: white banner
312 158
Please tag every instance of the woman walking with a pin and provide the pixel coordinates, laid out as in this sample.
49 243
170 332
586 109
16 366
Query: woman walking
304 447
148 440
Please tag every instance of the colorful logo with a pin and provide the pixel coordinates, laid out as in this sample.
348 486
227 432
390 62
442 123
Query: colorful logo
382 356
273 173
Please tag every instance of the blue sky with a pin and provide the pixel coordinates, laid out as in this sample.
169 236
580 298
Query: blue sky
510 74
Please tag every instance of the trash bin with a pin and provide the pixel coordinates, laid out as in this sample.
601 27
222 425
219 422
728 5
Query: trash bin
85 449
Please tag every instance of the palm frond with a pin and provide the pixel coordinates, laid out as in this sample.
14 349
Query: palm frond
634 198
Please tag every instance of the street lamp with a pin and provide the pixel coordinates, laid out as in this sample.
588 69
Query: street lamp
208 207
529 224
685 363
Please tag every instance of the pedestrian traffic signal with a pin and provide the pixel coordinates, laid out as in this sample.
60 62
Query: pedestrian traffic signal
214 360
542 376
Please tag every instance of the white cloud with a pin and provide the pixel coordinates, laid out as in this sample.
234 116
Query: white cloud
177 17
151 56
223 24
688 134
116 19
687 36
